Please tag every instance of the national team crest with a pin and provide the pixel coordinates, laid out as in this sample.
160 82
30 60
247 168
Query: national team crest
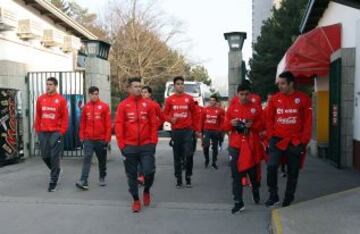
56 100
253 100
144 104
99 107
186 100
253 110
297 100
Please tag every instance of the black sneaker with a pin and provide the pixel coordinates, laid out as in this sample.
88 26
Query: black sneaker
179 183
287 202
256 196
59 175
214 166
188 182
82 185
239 206
272 201
52 187
102 181
206 163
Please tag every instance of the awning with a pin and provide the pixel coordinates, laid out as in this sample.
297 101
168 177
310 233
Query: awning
309 55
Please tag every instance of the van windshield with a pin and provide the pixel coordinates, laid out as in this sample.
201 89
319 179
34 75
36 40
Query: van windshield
191 89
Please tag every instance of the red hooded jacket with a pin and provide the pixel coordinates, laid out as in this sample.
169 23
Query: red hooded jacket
289 117
212 118
51 114
136 122
95 122
183 108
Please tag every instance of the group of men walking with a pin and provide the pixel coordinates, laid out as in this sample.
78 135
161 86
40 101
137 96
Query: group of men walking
278 134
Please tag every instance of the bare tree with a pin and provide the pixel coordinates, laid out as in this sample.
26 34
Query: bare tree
140 37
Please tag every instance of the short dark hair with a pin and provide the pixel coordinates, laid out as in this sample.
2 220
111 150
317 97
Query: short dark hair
134 79
248 83
53 80
215 97
93 89
288 76
148 88
176 78
243 87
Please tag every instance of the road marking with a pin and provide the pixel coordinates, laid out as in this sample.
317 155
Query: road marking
277 226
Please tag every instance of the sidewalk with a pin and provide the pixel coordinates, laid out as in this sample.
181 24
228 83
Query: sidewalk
26 206
332 214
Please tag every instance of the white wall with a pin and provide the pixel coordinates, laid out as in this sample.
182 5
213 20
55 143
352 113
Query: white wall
32 53
347 16
356 118
321 84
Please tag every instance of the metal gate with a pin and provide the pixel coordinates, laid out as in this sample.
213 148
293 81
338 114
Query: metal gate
72 87
334 154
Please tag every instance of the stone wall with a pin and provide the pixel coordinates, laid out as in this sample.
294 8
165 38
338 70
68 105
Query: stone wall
347 105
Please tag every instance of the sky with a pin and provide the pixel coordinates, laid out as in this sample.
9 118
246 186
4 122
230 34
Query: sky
204 23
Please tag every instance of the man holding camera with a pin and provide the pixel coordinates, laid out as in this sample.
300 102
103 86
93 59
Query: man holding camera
243 121
289 121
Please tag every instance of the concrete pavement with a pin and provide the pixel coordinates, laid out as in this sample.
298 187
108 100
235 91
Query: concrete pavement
332 214
27 207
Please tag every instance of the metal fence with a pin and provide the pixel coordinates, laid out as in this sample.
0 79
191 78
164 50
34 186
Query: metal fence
72 87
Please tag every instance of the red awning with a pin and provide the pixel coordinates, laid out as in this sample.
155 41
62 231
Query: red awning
309 55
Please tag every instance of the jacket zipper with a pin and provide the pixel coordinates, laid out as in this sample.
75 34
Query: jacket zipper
138 120
93 117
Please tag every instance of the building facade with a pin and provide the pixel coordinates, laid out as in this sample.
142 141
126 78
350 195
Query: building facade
261 10
37 37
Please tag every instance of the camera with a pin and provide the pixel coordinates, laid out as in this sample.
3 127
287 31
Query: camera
241 128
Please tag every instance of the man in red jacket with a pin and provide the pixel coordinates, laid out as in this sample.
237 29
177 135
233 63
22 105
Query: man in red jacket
212 120
253 97
51 123
243 120
146 93
136 134
181 112
95 133
289 123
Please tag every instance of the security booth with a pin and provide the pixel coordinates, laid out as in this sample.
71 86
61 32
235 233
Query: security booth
309 59
332 31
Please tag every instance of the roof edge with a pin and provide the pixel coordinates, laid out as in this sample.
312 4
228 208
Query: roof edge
66 19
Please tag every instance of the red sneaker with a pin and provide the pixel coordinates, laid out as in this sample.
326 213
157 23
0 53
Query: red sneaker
141 180
146 199
245 181
136 206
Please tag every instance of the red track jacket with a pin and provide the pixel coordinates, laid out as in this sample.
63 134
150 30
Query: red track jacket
51 114
290 118
183 108
159 115
249 146
95 122
212 118
136 122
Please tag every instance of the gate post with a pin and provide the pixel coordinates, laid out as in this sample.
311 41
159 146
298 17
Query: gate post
97 73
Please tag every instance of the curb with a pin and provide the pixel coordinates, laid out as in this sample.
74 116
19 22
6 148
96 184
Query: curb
276 225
